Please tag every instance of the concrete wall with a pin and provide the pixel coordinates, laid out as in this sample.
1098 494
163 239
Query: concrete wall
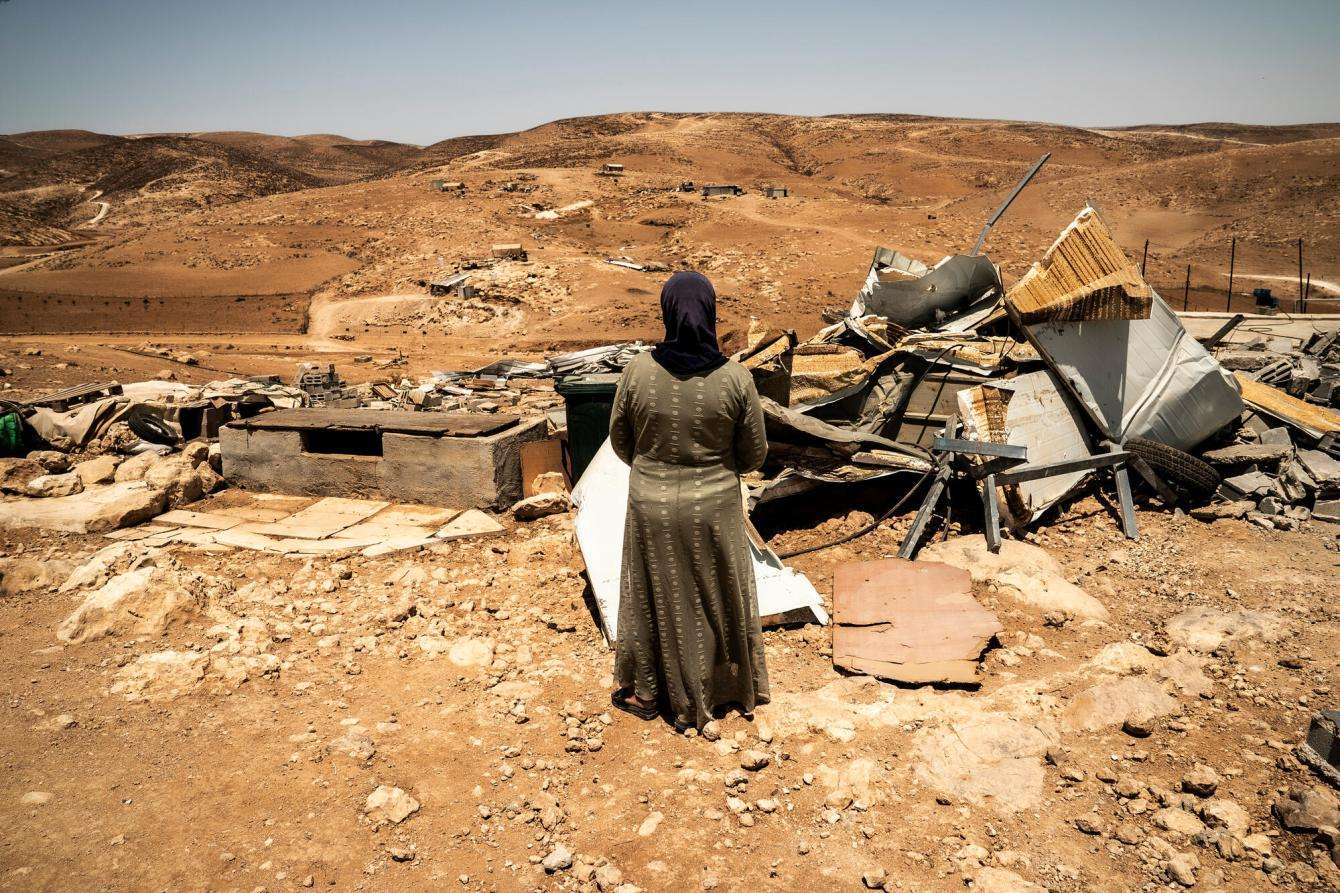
455 472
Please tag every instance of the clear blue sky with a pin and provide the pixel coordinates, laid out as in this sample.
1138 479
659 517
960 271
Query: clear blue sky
421 71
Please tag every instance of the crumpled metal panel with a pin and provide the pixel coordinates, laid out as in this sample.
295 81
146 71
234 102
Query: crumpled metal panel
915 301
1141 377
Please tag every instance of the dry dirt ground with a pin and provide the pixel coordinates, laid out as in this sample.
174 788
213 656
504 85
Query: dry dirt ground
475 680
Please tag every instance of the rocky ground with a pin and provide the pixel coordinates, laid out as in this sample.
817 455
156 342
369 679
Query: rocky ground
184 719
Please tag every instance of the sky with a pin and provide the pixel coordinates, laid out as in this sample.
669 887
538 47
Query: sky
418 71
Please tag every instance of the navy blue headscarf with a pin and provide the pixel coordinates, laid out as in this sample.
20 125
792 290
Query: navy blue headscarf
689 308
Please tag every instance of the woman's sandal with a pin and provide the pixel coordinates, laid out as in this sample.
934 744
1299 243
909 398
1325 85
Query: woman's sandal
620 699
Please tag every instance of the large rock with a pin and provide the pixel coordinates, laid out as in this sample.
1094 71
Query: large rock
471 652
1113 703
1307 810
15 474
1203 629
161 676
96 510
990 759
101 470
52 485
145 601
175 476
1023 571
25 576
134 468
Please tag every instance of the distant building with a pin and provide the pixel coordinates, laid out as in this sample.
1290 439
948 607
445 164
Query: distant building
776 192
448 186
686 186
711 189
609 169
458 284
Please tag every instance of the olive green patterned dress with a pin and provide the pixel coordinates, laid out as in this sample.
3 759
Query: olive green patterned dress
688 631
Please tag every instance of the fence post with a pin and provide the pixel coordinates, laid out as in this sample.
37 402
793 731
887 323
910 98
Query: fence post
1232 256
1301 299
1186 288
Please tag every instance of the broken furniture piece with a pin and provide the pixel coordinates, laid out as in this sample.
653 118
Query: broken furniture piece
64 400
439 458
909 621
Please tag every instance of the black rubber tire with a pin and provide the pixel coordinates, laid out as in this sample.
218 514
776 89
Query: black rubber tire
153 429
1191 478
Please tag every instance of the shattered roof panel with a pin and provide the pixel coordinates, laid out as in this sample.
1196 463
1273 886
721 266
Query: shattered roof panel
1083 276
1315 420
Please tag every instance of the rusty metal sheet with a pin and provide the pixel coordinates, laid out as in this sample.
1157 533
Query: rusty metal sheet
909 621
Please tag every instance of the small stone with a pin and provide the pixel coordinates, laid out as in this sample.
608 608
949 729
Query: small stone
1201 780
875 879
36 798
1128 788
1182 869
1129 834
650 824
389 804
1138 726
559 858
1089 824
754 760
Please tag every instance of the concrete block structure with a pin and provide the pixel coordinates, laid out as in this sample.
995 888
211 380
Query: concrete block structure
455 460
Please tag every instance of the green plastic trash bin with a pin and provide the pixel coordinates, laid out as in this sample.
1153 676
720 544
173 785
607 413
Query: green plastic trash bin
589 400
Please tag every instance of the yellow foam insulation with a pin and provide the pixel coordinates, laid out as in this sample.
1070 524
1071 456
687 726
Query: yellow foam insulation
1319 420
1083 276
818 370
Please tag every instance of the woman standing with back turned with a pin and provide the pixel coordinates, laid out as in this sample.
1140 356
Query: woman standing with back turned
689 423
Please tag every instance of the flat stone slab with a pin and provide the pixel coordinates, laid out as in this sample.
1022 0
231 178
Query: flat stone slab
97 509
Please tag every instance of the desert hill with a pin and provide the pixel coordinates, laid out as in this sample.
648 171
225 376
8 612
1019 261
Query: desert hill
327 157
231 215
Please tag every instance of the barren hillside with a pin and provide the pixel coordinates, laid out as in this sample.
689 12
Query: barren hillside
238 217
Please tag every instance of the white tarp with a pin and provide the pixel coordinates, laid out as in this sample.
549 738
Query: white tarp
1142 377
601 499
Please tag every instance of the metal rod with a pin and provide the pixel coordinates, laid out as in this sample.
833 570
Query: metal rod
1307 292
1300 275
1220 335
1232 256
1186 288
1143 258
1032 172
1051 469
979 448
